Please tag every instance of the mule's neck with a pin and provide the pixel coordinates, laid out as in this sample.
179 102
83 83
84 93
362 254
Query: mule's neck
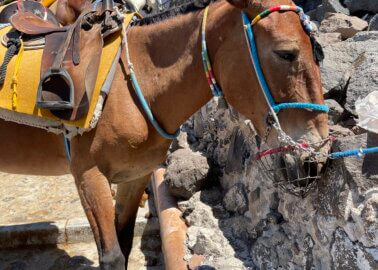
168 65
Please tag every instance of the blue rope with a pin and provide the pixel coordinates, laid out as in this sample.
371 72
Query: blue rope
255 58
148 111
261 78
354 152
67 148
301 105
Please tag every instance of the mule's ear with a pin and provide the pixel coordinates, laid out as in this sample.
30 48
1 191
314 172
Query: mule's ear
239 3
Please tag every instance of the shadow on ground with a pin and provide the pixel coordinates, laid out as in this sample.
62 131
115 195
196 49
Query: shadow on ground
81 256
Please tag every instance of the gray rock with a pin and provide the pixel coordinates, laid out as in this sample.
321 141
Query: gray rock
362 5
341 57
236 200
346 25
339 131
328 38
335 110
362 173
334 6
364 79
238 152
186 172
348 255
328 6
373 24
181 142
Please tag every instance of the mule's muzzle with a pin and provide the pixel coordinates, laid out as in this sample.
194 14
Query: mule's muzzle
294 171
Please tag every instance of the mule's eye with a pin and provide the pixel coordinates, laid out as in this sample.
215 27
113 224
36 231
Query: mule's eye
286 55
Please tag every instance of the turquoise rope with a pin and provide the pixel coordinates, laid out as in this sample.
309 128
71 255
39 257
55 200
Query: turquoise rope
354 152
67 148
148 111
301 105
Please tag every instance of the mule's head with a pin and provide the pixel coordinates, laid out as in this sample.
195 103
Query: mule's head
292 73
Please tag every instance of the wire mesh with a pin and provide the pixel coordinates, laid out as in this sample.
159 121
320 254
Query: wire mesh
289 171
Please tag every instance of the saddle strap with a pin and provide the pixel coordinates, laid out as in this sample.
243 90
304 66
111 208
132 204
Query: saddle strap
75 28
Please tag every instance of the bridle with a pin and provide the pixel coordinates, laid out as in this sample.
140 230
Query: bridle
274 108
272 116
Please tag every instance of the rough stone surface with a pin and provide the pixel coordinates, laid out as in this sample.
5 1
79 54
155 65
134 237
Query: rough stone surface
343 59
334 227
210 233
186 172
235 200
328 38
328 6
346 25
373 24
362 5
334 6
364 80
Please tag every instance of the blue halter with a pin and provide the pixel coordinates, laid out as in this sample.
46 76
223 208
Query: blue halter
260 76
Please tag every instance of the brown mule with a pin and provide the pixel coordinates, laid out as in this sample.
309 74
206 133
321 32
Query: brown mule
124 148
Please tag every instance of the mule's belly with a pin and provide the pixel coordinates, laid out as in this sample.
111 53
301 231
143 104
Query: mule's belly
28 150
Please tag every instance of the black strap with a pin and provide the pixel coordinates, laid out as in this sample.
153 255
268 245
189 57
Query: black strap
13 46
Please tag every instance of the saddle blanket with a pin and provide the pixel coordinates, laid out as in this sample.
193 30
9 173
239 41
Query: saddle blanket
28 78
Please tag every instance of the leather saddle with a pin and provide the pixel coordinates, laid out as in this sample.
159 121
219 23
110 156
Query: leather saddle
71 57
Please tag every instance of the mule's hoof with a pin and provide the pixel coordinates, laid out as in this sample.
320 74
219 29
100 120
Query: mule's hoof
113 260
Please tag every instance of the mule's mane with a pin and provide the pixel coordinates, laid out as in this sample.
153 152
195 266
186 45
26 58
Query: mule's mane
179 8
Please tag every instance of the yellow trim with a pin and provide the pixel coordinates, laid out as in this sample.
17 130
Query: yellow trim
47 3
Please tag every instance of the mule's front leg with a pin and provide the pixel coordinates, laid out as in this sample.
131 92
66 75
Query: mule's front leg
96 198
128 199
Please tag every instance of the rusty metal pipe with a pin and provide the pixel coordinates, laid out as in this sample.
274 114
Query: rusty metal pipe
172 227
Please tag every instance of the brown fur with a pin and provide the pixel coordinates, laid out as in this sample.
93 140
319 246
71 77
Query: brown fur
124 148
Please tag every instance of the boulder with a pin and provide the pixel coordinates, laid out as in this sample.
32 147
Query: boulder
334 6
342 60
328 6
238 152
346 25
362 5
236 200
373 24
364 79
186 172
328 38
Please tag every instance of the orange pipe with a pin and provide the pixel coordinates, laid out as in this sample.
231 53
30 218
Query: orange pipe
172 226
